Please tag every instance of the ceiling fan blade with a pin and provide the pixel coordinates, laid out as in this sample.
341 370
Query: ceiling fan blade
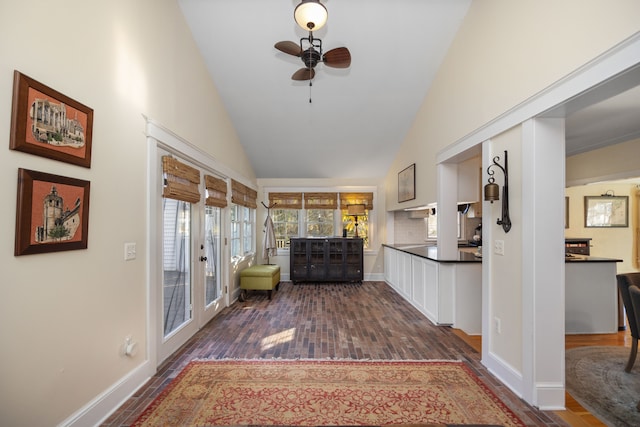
304 74
339 57
290 48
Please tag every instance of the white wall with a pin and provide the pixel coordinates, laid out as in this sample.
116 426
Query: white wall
65 315
506 289
504 52
588 168
620 243
622 162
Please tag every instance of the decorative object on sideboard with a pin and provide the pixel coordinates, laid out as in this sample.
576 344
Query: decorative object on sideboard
492 191
355 211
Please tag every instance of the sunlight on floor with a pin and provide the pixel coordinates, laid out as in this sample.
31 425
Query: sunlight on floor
279 338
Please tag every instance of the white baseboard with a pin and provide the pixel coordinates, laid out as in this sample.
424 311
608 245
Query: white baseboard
99 409
546 396
504 372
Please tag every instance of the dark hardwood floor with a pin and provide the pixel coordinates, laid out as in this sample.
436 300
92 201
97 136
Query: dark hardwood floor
350 321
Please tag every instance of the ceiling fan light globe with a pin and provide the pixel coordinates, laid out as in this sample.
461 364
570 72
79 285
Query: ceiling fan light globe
310 15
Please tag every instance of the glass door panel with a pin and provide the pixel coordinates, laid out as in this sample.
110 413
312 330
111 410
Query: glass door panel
176 265
212 235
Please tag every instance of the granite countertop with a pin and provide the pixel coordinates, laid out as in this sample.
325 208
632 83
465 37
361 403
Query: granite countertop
585 258
431 253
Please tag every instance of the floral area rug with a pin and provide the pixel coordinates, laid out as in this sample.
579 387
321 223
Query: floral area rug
326 392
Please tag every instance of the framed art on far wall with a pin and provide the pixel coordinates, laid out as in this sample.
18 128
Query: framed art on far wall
606 211
47 123
407 184
52 213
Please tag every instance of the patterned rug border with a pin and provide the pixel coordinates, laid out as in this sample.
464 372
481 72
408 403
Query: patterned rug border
328 359
193 363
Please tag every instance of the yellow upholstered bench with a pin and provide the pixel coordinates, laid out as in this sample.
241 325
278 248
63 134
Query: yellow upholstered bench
259 278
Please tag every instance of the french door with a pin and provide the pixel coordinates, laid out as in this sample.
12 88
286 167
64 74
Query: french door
189 286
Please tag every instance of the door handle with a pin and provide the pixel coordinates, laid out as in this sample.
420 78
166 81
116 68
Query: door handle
203 258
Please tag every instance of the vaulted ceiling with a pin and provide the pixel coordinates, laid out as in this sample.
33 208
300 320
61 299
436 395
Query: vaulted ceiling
359 116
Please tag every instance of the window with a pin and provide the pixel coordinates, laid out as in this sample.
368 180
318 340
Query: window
242 219
241 230
247 229
212 233
349 224
432 225
285 225
320 222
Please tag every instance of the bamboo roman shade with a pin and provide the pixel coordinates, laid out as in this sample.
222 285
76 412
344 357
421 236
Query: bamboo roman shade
365 199
181 181
216 191
243 195
285 200
320 200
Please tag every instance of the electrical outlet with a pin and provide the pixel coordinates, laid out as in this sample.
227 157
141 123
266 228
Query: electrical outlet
498 247
129 251
497 325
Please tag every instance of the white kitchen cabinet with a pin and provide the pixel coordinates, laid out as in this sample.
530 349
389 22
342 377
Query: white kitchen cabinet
425 287
397 271
391 266
447 293
468 298
404 274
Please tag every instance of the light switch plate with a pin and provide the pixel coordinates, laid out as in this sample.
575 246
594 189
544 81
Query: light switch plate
129 251
498 247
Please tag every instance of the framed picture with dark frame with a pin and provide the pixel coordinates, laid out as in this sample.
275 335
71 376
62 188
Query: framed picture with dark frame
47 123
407 184
52 213
606 211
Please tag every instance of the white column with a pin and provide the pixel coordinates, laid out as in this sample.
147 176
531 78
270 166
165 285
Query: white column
447 210
543 182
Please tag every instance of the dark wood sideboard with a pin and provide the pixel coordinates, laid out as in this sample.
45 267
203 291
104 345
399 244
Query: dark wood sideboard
331 259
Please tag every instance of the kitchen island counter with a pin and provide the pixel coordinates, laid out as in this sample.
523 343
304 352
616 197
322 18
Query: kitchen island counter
581 258
431 253
592 305
446 291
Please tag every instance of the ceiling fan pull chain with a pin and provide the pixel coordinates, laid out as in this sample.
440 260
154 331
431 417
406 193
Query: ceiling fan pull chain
310 84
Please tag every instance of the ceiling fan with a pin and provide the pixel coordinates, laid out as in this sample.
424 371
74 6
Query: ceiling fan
309 50
311 15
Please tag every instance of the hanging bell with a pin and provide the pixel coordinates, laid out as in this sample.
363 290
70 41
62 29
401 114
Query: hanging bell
491 192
